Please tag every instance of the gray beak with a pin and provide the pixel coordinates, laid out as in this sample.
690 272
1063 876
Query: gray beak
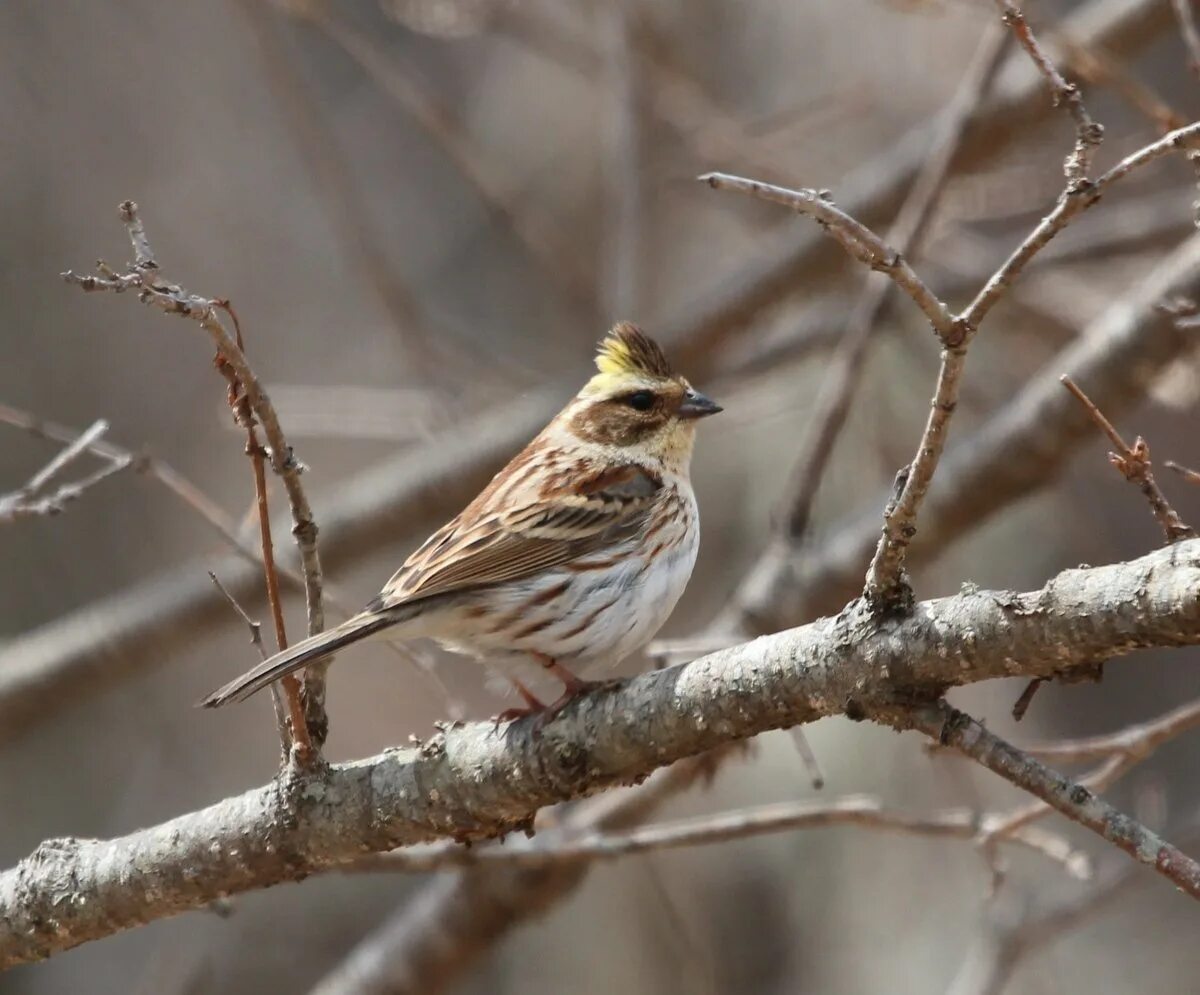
696 405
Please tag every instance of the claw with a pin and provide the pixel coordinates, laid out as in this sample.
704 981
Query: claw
573 687
533 706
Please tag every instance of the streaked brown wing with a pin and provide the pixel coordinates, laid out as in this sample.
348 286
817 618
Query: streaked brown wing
485 546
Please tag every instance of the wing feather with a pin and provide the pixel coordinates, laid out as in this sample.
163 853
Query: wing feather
485 545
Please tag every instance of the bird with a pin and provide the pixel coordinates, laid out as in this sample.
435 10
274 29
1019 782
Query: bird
576 552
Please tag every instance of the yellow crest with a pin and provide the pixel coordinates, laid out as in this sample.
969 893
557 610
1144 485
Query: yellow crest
627 349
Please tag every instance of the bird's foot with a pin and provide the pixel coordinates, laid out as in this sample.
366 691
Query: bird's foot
573 687
533 706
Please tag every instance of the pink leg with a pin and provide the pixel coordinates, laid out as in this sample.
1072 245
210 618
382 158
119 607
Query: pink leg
533 705
573 687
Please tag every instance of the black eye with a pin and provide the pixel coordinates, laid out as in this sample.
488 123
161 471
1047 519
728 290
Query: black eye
641 400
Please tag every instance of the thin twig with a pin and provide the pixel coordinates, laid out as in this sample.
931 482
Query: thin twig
296 728
1133 463
953 728
844 370
1191 476
281 715
1139 740
1020 450
856 238
886 584
28 501
144 277
1088 134
597 845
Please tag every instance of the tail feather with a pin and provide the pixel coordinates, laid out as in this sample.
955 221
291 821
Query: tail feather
300 655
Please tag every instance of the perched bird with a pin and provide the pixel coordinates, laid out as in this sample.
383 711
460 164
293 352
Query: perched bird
576 552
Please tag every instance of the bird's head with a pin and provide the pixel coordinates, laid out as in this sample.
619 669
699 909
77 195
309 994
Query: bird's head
636 403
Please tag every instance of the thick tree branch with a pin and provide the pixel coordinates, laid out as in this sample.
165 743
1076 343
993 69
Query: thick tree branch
438 935
471 782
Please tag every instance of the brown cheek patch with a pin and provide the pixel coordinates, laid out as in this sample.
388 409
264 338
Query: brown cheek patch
612 424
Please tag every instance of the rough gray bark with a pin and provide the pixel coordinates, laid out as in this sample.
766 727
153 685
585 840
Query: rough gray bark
471 782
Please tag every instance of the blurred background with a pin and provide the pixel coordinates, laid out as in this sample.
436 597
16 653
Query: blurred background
426 212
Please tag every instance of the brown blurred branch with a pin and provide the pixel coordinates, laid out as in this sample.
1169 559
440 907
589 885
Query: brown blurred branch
1191 35
439 934
989 964
1191 476
31 500
558 263
1133 463
1139 740
623 172
469 783
907 234
144 277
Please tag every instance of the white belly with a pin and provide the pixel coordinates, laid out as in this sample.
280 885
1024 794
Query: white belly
600 608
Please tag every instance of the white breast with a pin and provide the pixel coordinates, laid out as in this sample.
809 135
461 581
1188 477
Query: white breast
600 608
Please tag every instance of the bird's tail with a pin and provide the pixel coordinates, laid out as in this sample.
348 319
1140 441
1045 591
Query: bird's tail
301 654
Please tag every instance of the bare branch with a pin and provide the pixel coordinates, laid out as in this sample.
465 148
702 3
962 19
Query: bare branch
1139 740
862 811
907 234
1191 476
1023 448
470 783
29 501
886 585
1133 462
144 277
281 710
954 728
794 260
1088 134
856 238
